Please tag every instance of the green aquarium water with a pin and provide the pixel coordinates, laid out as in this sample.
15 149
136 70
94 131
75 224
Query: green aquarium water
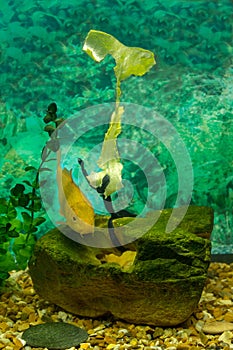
191 87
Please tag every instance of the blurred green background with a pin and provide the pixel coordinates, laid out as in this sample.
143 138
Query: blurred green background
191 85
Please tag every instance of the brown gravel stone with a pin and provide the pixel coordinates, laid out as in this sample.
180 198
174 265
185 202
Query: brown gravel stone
183 347
217 327
228 317
217 313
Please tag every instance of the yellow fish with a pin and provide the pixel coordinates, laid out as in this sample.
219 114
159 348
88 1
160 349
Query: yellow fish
74 206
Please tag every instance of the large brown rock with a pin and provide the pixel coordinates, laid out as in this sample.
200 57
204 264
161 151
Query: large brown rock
159 281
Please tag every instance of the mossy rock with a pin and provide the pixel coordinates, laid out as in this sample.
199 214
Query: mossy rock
158 281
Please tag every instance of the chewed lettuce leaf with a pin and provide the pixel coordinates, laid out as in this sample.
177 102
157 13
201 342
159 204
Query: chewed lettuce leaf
109 160
113 169
129 60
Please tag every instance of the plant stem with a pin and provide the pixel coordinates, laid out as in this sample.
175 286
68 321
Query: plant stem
35 187
118 92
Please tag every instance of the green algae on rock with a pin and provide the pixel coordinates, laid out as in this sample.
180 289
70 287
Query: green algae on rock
161 286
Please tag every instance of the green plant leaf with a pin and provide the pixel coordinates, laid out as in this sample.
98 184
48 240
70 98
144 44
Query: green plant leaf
7 262
38 221
11 213
45 169
3 251
22 249
59 121
129 60
34 196
17 190
3 277
33 229
27 221
50 129
3 201
13 233
22 256
44 154
27 183
26 217
16 224
36 207
3 206
53 145
35 184
28 168
4 224
14 201
3 239
2 230
24 200
51 113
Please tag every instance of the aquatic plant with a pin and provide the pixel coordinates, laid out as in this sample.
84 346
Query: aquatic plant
22 213
20 216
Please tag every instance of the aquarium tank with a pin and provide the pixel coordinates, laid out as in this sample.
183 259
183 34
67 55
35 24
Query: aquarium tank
45 71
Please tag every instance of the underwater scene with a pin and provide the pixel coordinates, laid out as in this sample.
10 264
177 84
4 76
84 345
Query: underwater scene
116 183
46 73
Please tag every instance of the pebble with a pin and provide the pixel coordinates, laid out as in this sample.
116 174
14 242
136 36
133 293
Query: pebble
122 332
226 337
228 317
183 347
134 342
199 326
217 327
113 347
158 332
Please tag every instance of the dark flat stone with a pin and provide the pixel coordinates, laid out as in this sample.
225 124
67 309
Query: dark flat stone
54 335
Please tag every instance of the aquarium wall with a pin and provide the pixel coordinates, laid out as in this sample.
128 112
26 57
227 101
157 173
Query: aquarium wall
42 61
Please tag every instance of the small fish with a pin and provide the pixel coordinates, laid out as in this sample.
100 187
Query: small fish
74 206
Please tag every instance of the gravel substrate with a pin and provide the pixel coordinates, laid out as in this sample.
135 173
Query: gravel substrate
210 327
